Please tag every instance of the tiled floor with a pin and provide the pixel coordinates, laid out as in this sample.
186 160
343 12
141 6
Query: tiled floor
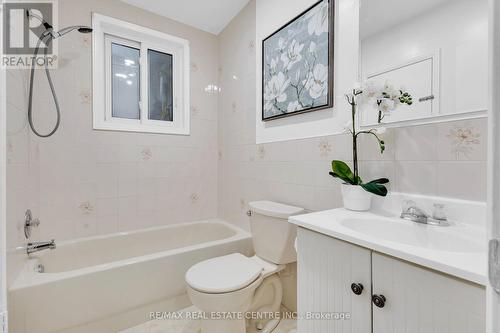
193 326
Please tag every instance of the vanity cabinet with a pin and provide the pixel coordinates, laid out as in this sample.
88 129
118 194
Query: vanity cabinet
397 297
326 270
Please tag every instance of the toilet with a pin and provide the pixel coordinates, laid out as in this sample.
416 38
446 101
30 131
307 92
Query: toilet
240 294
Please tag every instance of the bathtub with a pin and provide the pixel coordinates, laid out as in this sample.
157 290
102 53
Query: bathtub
93 279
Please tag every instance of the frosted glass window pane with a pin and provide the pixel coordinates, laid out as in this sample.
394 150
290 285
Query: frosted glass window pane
125 81
160 86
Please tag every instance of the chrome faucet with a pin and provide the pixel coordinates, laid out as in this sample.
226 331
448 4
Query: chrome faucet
412 212
40 246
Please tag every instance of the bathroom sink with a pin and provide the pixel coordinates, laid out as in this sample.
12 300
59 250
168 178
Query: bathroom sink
413 234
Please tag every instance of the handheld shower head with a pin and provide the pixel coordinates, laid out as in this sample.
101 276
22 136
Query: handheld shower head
47 37
85 30
80 28
55 34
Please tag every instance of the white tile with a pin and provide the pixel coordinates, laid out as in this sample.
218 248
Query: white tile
327 198
416 143
463 180
417 177
369 148
370 170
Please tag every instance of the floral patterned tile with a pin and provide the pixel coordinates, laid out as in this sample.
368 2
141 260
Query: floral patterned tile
463 141
86 40
86 97
195 111
86 208
146 154
324 147
251 46
261 152
10 150
194 67
194 198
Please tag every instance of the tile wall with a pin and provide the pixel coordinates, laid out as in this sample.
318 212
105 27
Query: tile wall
82 182
447 159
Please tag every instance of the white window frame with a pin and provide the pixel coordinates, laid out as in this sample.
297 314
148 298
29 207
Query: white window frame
108 30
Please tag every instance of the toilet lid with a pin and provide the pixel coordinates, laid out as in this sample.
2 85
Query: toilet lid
223 274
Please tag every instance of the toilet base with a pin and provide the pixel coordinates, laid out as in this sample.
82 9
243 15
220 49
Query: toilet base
264 303
253 309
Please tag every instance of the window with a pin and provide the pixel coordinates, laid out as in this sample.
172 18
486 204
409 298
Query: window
141 79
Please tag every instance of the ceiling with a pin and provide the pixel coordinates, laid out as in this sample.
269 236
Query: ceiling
208 15
379 15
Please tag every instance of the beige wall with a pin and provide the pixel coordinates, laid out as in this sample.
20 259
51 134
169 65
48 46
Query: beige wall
82 182
433 159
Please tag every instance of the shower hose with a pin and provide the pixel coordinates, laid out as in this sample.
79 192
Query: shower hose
48 39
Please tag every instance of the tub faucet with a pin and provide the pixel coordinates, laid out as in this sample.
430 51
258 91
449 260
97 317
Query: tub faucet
40 246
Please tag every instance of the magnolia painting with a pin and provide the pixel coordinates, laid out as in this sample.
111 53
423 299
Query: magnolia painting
297 64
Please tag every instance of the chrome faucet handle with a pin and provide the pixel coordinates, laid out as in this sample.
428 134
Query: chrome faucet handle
414 210
413 213
439 213
407 204
29 223
410 207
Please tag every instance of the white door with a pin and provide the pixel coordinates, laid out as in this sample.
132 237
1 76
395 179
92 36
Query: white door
327 268
493 296
414 299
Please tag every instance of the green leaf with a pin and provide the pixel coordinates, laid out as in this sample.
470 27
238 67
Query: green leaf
380 181
341 170
375 188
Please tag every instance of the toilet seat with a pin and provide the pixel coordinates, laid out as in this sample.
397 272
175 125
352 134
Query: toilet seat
224 274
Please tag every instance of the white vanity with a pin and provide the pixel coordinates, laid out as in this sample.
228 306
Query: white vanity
375 272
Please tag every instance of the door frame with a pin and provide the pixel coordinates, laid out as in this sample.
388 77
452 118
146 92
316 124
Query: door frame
3 167
493 298
3 185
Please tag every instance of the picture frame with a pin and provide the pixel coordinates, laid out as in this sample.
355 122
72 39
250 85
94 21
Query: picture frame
298 64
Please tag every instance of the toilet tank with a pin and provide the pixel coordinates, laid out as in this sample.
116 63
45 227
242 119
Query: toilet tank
273 236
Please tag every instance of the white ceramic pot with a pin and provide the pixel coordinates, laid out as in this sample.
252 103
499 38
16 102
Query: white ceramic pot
356 198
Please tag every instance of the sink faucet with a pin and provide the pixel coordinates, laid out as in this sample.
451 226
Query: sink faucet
40 246
412 212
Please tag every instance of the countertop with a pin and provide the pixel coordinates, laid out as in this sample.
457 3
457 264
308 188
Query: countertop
427 250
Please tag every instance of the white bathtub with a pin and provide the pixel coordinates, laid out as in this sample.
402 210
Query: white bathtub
92 279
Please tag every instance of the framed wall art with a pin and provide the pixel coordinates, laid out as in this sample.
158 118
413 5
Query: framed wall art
297 64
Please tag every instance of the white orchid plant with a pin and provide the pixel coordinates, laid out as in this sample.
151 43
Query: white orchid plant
386 99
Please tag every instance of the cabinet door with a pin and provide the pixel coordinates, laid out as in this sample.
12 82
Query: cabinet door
424 301
326 269
417 78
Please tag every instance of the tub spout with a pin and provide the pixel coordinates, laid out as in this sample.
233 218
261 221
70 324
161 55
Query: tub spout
40 246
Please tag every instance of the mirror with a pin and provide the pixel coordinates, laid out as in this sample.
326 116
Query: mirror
436 50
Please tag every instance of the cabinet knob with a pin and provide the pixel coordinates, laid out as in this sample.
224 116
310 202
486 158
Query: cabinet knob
357 288
379 300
